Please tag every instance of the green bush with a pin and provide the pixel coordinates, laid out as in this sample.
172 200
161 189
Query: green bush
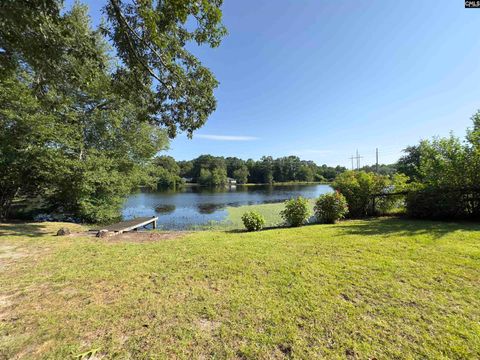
443 204
253 221
358 187
331 207
296 211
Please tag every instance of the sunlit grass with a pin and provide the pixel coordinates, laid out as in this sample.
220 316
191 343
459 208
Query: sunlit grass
384 288
271 213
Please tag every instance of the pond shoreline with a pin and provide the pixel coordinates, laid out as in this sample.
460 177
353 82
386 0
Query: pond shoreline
266 184
195 207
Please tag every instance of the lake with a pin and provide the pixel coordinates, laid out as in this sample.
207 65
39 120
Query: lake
194 206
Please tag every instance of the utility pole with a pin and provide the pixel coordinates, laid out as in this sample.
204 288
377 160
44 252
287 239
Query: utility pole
357 158
376 166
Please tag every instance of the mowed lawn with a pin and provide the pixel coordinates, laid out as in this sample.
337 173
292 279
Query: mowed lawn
270 212
384 288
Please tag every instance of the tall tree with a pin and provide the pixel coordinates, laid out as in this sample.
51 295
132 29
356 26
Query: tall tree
210 163
241 174
24 130
150 38
473 150
97 121
165 173
409 163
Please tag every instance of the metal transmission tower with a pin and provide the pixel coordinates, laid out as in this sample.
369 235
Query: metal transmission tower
351 158
357 158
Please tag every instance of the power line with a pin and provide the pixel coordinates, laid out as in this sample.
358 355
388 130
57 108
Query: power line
357 158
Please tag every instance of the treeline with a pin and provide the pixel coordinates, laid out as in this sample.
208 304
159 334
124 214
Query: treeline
211 170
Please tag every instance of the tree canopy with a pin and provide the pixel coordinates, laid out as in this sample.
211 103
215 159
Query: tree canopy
84 110
445 175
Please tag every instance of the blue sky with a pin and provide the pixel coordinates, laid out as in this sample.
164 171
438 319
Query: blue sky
320 79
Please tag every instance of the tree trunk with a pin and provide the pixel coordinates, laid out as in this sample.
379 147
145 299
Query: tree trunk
6 198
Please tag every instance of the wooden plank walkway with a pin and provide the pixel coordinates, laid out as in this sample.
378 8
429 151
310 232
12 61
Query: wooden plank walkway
130 225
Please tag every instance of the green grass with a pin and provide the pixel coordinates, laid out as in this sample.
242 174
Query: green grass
384 288
271 213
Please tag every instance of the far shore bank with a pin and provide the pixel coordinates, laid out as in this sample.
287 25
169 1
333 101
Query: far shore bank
270 184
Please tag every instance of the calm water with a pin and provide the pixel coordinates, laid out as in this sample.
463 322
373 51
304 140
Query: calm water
196 206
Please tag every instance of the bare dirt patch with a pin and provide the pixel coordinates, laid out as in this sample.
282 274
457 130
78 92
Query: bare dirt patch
11 254
5 303
8 252
207 326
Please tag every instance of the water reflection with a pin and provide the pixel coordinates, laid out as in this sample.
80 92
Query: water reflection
193 206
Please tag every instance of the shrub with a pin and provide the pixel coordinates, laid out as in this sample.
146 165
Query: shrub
444 204
253 221
331 207
390 204
358 188
296 211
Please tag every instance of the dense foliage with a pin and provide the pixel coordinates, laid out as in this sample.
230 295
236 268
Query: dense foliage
446 175
358 187
214 177
77 126
296 211
165 173
264 171
382 169
330 208
253 221
443 204
408 164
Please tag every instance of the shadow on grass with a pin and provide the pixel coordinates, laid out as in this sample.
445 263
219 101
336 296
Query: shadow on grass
403 226
240 231
23 229
277 227
390 226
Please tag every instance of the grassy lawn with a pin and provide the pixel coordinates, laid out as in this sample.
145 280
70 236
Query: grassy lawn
271 213
385 288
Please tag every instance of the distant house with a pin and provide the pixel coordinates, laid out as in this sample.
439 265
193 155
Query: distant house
187 179
231 181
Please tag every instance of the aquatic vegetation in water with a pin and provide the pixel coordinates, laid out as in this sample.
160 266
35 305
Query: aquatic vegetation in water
165 208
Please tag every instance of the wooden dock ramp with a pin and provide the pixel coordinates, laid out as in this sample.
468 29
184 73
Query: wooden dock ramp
128 225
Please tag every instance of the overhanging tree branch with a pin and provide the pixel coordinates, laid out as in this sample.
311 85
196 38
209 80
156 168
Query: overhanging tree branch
128 27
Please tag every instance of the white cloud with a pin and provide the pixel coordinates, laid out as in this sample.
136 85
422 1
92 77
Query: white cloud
226 137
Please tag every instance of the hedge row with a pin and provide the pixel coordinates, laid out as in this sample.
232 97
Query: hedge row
444 204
